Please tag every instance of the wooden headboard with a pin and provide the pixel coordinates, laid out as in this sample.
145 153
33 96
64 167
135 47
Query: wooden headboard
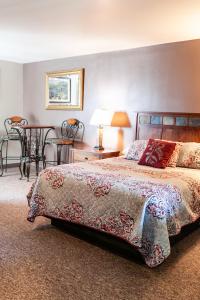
184 127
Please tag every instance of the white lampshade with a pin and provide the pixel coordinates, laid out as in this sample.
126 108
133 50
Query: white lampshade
101 117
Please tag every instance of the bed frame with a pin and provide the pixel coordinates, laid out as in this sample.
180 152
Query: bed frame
162 125
168 126
112 243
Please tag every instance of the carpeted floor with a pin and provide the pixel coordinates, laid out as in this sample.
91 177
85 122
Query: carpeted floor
39 261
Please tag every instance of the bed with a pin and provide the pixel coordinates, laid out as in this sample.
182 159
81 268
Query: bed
139 204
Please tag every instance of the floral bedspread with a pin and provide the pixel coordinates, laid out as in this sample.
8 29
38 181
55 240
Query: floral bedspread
139 204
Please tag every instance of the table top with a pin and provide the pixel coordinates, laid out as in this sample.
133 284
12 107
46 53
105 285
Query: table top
87 148
30 126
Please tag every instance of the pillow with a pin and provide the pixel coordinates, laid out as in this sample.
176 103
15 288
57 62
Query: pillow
157 153
175 156
136 149
189 156
125 150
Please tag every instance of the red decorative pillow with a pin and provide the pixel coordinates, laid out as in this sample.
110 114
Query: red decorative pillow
157 153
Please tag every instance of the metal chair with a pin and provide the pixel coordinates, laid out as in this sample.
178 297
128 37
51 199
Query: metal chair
13 127
71 130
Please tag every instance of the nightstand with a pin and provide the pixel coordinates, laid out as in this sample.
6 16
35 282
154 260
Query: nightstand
86 153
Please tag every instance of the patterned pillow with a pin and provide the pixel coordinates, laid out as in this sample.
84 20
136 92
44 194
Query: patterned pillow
136 149
175 155
189 156
157 153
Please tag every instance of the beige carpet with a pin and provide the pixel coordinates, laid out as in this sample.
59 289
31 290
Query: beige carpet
38 261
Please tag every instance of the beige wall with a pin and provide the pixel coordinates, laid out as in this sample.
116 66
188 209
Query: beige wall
158 78
11 95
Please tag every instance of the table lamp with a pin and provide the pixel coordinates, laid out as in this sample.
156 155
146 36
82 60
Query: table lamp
120 119
101 118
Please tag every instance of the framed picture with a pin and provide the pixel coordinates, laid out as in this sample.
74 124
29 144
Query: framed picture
64 90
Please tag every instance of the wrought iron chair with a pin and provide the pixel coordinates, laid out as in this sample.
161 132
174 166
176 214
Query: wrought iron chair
11 124
71 130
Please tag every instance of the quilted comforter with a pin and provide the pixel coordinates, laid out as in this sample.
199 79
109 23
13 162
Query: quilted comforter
139 204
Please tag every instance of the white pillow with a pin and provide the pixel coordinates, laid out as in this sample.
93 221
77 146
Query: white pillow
189 156
136 149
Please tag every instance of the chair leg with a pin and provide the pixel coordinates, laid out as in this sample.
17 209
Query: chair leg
1 163
43 156
6 168
59 148
20 169
24 169
28 170
37 166
1 158
44 162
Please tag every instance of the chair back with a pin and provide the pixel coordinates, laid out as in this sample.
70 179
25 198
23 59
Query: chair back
14 121
72 129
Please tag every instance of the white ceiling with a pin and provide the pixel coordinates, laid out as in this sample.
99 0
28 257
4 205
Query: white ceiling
35 30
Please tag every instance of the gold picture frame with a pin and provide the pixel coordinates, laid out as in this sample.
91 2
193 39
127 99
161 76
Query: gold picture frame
64 90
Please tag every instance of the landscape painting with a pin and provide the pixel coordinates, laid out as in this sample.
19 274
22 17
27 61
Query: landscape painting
64 90
59 90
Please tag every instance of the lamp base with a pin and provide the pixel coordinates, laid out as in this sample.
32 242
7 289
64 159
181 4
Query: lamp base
100 138
98 148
